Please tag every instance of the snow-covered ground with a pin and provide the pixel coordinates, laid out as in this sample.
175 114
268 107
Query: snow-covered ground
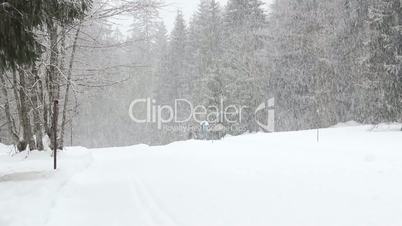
353 176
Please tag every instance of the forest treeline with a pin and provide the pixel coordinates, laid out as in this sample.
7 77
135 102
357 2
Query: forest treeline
334 61
45 58
323 61
32 62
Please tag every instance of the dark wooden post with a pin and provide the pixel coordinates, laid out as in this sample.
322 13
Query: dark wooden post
55 120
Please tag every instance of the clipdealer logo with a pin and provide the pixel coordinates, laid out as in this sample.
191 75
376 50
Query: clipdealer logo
230 114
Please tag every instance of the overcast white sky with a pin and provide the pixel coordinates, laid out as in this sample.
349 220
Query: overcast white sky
168 13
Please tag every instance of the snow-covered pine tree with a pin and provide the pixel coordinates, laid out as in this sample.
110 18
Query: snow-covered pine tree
177 59
384 61
174 83
244 21
145 31
205 53
315 62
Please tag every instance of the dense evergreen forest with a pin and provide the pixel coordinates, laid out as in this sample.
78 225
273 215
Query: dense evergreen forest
323 61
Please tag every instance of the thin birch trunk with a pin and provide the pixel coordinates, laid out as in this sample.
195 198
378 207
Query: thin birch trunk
36 109
16 95
66 96
52 77
25 121
9 120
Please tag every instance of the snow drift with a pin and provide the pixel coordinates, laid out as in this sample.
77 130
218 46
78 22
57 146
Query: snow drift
351 177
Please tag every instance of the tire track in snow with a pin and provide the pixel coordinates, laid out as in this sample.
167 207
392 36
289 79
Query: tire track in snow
64 184
149 204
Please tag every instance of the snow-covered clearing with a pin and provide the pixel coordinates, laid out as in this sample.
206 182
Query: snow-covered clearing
352 177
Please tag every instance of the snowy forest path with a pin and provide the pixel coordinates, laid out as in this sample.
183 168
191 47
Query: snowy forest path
149 204
258 179
107 193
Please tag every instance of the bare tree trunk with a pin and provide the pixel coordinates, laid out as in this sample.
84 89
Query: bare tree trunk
45 106
25 121
66 96
62 69
9 120
16 95
36 109
52 76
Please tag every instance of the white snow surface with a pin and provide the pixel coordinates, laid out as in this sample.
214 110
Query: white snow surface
353 176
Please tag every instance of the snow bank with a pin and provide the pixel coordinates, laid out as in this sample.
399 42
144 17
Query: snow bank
29 186
346 124
379 127
4 149
352 177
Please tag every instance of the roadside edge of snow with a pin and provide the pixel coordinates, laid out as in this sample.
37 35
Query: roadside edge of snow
31 182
